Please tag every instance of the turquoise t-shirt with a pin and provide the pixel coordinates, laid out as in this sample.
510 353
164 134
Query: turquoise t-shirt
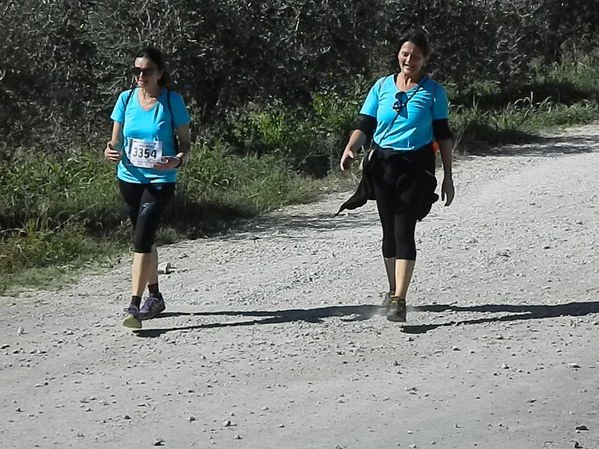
412 126
153 125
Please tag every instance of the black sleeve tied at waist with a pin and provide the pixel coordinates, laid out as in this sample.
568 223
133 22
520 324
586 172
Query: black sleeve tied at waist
415 185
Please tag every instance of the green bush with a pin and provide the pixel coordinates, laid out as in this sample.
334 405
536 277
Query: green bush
273 88
66 212
64 62
56 190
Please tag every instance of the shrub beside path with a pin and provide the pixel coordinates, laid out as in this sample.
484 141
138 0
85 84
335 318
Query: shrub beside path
271 337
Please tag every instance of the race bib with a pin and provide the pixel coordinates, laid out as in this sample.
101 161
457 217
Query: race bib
144 153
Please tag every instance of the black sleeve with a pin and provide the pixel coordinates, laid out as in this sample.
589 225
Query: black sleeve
441 129
366 124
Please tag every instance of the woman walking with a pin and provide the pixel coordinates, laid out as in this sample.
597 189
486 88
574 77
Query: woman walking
406 116
150 140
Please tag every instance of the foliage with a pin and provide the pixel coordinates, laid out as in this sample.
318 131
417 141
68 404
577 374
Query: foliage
58 191
273 87
64 62
67 213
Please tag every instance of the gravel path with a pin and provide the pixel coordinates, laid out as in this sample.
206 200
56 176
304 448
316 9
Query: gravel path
272 339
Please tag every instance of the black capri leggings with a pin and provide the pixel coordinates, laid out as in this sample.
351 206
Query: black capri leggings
399 196
145 204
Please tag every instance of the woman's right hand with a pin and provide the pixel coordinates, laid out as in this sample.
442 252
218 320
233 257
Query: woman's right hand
111 154
347 158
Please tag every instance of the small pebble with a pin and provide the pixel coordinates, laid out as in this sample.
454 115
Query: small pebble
165 268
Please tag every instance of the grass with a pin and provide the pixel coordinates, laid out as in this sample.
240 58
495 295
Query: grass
565 95
521 121
59 216
63 267
218 187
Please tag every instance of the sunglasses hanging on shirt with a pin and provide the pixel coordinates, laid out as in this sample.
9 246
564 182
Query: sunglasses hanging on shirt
401 107
401 104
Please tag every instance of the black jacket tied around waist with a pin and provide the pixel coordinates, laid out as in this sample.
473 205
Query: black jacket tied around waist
410 174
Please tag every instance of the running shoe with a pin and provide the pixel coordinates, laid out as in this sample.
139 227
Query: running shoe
133 319
386 301
397 309
152 307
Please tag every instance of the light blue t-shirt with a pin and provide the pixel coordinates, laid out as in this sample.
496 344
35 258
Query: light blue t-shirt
155 124
412 127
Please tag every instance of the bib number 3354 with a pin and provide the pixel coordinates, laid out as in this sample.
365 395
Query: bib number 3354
144 153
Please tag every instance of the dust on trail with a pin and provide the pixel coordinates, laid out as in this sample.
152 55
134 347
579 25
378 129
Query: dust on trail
271 337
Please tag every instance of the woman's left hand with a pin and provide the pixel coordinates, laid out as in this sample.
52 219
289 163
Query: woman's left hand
447 191
168 163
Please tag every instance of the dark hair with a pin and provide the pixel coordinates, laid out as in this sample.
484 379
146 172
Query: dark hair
418 38
157 58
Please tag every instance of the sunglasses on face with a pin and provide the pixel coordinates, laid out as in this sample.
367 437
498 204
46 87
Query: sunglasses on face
137 72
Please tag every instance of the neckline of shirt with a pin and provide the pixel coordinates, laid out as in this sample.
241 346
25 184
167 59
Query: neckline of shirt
417 86
155 104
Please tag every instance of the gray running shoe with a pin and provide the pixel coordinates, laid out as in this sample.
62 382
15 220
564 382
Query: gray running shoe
132 320
397 309
152 307
386 301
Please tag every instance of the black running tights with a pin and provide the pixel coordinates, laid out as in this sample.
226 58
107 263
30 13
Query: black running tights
398 227
145 204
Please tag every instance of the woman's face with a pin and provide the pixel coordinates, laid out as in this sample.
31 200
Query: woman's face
411 59
146 73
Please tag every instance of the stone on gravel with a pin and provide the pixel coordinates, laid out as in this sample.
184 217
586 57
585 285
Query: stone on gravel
165 268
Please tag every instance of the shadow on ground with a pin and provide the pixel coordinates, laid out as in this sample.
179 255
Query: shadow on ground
543 146
365 312
515 313
291 226
347 313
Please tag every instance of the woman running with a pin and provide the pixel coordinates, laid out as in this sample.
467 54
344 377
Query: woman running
150 140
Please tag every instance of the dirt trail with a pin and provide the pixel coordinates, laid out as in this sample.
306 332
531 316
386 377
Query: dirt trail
271 337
